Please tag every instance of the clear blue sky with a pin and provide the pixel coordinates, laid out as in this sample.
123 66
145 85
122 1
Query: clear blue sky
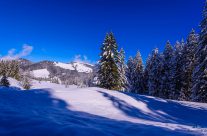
60 29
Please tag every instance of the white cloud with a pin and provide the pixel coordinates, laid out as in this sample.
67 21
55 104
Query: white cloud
81 58
12 55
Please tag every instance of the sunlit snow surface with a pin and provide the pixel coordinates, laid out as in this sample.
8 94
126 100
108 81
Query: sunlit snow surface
41 73
80 67
51 109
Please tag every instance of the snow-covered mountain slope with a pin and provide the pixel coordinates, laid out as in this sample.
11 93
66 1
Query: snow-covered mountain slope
68 73
79 66
73 66
41 73
52 109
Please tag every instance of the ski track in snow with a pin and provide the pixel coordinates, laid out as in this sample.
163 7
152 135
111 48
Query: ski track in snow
52 109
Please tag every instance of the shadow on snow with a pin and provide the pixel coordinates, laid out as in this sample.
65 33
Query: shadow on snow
37 112
164 111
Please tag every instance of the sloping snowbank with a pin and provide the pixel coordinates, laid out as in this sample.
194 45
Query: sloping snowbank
52 109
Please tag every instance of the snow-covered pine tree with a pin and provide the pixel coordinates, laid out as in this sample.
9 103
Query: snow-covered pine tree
108 73
1 67
130 75
14 71
177 71
188 65
139 74
155 73
167 71
25 80
199 90
4 81
4 68
148 67
122 69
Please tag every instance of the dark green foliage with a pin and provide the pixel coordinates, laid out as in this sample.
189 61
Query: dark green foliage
10 68
199 90
109 74
135 74
166 71
188 65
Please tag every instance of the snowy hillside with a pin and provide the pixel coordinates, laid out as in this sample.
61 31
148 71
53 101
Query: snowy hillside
80 67
52 109
41 73
67 73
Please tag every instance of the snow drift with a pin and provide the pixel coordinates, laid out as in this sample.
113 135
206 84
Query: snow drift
51 109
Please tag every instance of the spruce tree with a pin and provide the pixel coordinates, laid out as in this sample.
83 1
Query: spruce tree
139 74
199 90
188 65
130 75
4 81
147 69
167 71
155 73
1 67
177 71
14 71
109 74
26 81
122 69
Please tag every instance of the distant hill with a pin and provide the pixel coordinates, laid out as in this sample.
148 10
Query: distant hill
78 73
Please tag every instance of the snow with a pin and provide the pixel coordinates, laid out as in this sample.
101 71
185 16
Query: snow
51 109
64 65
80 67
41 73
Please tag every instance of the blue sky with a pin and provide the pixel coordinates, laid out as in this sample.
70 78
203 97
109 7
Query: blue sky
62 30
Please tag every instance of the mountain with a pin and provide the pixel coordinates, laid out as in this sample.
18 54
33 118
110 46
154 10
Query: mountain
78 73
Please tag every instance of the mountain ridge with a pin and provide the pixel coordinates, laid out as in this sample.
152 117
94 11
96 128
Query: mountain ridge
73 72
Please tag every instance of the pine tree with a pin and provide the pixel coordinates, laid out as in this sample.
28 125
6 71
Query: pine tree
130 75
188 65
109 74
139 74
4 81
135 74
177 71
26 84
167 71
4 69
147 69
155 73
199 90
14 71
25 80
122 68
1 67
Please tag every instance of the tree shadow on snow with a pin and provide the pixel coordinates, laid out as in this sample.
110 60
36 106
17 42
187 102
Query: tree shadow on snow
38 113
164 111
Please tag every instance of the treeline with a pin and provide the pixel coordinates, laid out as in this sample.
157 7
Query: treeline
10 68
179 72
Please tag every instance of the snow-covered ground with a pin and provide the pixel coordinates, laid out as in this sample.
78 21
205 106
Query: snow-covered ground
80 67
41 73
52 109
